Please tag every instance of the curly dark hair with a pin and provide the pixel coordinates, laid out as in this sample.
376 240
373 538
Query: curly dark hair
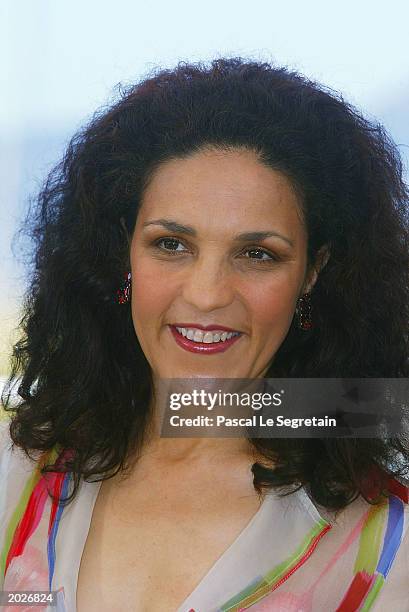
85 382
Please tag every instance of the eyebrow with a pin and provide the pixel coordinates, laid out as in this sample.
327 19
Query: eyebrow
174 226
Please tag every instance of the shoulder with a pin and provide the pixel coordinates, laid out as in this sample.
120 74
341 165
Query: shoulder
15 470
394 594
392 569
12 457
381 554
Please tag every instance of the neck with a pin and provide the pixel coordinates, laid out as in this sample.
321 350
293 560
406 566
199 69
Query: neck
200 448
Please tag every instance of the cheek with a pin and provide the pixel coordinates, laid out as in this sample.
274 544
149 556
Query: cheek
150 291
272 303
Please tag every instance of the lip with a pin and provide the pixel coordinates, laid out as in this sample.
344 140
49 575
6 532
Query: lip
202 347
205 327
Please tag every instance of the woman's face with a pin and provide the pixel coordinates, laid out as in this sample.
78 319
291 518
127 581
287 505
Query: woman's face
192 267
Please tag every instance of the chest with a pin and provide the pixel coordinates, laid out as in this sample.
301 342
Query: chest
150 557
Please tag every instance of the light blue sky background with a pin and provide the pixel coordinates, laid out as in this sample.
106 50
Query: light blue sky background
61 60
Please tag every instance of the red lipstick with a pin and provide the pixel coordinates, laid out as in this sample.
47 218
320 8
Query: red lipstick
202 347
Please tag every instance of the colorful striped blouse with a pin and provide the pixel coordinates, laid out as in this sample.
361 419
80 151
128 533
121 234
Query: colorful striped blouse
292 556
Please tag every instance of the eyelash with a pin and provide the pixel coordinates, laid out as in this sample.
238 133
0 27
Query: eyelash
174 253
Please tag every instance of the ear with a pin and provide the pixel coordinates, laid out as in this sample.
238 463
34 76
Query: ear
320 262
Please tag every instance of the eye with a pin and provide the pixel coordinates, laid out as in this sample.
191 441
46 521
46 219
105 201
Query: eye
260 253
170 244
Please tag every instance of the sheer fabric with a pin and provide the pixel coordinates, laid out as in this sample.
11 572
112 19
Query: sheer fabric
292 556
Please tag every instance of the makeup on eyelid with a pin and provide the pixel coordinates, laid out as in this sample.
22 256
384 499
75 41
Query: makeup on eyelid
252 248
249 236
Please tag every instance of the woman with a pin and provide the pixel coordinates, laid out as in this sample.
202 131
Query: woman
244 207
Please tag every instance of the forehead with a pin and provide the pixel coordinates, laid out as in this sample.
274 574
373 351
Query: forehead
229 188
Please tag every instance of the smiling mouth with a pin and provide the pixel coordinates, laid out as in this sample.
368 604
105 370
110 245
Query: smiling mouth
204 342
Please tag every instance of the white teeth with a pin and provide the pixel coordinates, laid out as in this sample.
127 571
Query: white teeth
198 337
208 337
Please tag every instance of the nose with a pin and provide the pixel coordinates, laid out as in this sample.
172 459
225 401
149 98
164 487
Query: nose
208 285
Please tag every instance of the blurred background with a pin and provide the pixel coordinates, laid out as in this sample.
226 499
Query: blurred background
63 59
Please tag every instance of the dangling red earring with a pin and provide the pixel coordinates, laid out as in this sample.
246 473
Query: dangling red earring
123 293
303 312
